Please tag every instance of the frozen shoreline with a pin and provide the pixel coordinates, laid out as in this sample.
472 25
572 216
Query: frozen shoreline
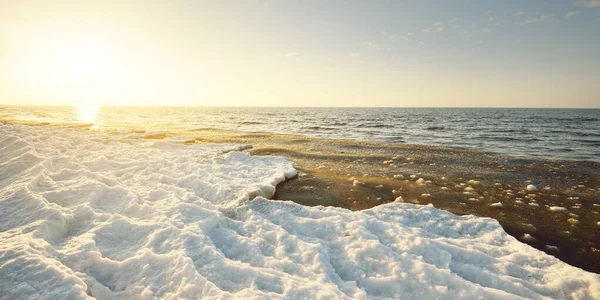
106 215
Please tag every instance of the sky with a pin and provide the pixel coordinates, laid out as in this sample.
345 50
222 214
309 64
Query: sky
301 53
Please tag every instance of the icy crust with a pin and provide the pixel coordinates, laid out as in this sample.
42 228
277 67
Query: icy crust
103 215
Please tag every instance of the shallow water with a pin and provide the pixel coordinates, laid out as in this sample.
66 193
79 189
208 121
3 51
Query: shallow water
535 133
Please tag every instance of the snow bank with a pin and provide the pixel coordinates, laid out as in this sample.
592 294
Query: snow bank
96 215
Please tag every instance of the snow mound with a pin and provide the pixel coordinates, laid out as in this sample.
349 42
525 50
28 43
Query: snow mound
88 214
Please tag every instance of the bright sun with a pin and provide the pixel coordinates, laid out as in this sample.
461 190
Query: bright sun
81 61
74 69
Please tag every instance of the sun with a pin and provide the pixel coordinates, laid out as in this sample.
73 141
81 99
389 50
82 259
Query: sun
81 61
73 69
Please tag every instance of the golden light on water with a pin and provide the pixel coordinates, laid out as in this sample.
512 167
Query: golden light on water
88 114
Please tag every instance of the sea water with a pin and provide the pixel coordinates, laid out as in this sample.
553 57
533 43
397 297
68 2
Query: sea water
532 133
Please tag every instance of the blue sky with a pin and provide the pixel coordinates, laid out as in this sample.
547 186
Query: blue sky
306 53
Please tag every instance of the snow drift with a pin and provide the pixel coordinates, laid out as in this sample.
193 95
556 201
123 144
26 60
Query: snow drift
96 214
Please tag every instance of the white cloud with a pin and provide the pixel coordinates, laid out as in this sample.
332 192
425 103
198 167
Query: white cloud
486 30
438 26
400 37
439 29
291 54
518 13
571 14
541 18
354 54
490 17
420 43
371 44
428 30
588 3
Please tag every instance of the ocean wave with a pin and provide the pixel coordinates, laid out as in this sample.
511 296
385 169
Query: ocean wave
435 128
375 125
321 128
250 123
506 138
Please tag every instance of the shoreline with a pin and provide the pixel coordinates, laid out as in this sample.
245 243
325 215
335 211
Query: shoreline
352 174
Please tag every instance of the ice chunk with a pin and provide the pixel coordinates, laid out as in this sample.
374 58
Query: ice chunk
473 182
497 205
557 208
531 188
528 238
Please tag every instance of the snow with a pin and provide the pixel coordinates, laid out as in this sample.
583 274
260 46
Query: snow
91 214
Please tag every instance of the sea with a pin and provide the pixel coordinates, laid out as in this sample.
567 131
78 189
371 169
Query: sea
572 134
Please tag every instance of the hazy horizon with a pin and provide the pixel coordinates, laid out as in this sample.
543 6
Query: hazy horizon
450 54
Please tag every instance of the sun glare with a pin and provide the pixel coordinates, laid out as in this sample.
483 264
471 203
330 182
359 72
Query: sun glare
87 114
73 69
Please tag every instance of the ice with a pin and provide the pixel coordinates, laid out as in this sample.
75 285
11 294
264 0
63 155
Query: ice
557 208
93 214
528 238
180 139
497 205
531 188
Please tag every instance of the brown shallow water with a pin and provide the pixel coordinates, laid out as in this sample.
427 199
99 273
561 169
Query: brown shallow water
359 175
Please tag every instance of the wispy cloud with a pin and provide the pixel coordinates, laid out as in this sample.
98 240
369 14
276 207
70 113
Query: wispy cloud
438 27
420 43
428 30
571 14
489 16
486 30
588 3
354 54
541 18
371 44
518 13
291 54
400 37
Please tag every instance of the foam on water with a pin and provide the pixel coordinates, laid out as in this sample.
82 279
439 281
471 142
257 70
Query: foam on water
105 215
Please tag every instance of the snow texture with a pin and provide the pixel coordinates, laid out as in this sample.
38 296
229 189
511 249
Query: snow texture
95 214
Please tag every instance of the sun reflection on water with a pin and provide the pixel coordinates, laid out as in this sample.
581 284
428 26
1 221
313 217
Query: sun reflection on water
88 114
